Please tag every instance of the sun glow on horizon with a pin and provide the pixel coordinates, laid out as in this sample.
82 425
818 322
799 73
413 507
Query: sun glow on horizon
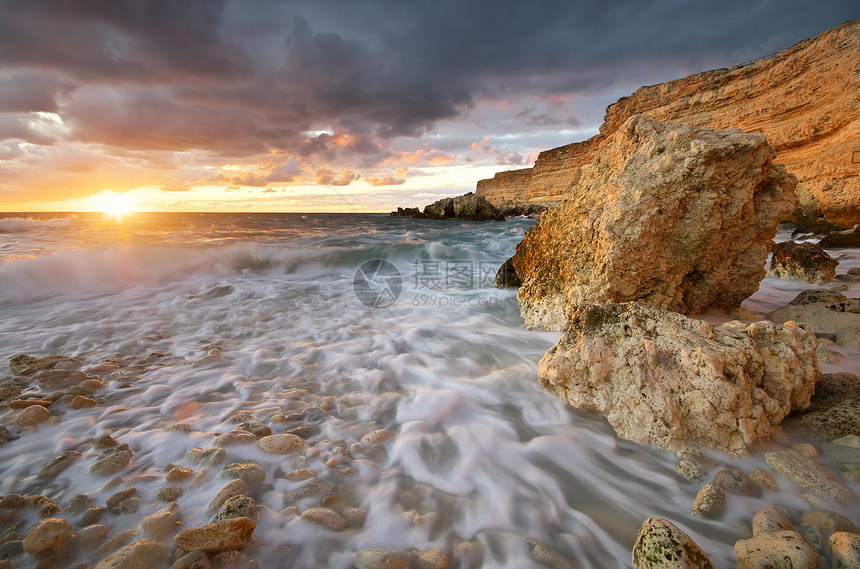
112 203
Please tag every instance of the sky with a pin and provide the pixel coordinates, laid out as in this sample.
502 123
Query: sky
334 105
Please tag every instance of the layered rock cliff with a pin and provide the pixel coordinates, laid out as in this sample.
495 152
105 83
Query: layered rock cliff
805 99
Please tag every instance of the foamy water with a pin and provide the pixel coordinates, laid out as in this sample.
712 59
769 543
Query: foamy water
213 314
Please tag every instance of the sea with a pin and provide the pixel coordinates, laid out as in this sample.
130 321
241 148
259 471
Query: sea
386 338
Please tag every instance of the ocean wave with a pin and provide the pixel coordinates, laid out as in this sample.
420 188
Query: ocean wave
22 224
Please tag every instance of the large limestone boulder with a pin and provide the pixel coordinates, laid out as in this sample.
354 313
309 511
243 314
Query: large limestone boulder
665 379
676 217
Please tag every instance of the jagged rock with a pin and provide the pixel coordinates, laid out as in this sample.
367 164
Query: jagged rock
671 216
808 474
226 534
777 550
507 276
663 378
662 545
841 239
845 550
803 100
405 212
469 207
802 261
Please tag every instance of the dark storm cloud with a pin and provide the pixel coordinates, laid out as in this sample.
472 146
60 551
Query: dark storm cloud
251 76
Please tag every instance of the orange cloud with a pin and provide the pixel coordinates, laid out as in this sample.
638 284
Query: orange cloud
435 157
328 177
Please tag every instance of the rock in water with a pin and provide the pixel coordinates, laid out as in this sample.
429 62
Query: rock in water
468 207
802 261
777 550
221 536
143 554
676 217
665 379
661 545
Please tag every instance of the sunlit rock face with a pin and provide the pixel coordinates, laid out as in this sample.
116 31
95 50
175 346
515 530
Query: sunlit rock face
676 217
662 378
804 99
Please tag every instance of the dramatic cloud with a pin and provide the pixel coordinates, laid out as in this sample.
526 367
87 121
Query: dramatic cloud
249 93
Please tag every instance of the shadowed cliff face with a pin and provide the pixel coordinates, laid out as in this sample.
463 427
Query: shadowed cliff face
805 99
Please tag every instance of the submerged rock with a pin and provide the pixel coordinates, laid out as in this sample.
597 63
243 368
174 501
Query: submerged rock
48 535
808 474
376 558
142 554
226 534
662 545
665 379
802 261
841 239
673 216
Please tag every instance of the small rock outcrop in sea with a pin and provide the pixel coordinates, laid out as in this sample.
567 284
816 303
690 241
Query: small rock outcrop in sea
665 379
507 276
802 261
660 544
672 216
468 207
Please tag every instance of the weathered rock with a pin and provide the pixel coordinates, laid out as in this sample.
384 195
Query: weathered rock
142 554
22 364
162 523
48 535
671 216
834 387
324 517
662 545
735 481
281 444
507 276
770 520
828 521
233 488
710 501
845 550
234 438
206 456
91 536
378 558
405 212
818 296
841 239
32 415
841 453
777 550
469 207
436 559
763 478
802 99
237 507
59 379
693 464
808 474
802 261
375 437
44 506
828 423
663 378
227 534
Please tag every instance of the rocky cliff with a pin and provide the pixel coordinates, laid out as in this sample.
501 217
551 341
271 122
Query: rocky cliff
805 99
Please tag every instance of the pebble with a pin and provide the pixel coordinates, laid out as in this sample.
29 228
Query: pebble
178 474
324 517
162 523
192 560
777 550
112 464
221 536
247 470
231 489
662 545
237 507
734 481
806 450
227 559
61 462
206 456
169 494
844 550
91 516
59 379
763 478
710 501
829 521
142 554
770 520
114 500
48 535
313 488
117 542
375 437
301 474
32 415
82 402
305 431
354 517
91 536
24 403
13 501
808 474
378 558
693 465
281 444
234 438
43 505
436 559
128 506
